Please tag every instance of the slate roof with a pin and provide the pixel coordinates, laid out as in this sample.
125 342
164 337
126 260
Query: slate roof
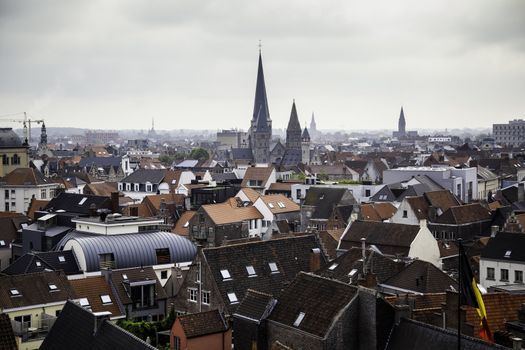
389 238
324 199
224 213
381 266
100 162
203 323
44 261
291 255
419 205
141 176
291 157
464 214
24 177
10 224
385 194
92 288
74 327
75 203
329 241
142 251
7 336
242 154
414 335
255 306
9 139
257 173
34 289
498 246
421 277
320 299
137 274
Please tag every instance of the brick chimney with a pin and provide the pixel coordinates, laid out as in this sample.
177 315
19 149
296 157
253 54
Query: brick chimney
115 202
315 259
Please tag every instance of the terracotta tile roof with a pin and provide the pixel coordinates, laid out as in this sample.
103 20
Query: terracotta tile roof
419 205
385 210
501 307
203 323
169 198
369 213
441 199
25 177
447 249
464 214
278 203
281 186
92 288
10 224
35 205
329 241
223 213
143 210
257 173
251 194
101 188
182 226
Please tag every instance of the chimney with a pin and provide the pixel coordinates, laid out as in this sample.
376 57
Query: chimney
494 230
521 192
432 213
363 253
114 202
401 311
315 259
92 210
516 343
473 163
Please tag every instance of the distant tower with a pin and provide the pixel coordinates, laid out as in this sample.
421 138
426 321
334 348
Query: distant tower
260 133
401 128
152 132
313 126
293 131
305 147
43 136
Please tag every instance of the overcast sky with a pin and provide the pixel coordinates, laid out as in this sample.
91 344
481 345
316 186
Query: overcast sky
192 64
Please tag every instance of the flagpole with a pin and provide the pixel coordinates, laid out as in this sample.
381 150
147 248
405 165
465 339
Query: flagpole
460 251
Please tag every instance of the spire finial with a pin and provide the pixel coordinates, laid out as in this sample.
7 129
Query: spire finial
260 46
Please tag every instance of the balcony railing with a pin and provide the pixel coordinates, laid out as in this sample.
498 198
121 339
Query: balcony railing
34 330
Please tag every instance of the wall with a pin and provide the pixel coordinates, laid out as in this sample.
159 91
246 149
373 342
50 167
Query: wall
498 265
425 246
411 218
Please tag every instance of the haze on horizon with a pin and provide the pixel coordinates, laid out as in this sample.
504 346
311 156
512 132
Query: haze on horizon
192 64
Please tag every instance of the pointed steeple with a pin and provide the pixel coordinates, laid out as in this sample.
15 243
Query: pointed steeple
293 131
402 123
313 125
293 123
260 106
306 135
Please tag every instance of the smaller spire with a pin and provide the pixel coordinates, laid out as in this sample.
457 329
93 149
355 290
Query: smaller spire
260 46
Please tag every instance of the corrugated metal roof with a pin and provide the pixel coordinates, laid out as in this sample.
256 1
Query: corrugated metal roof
132 250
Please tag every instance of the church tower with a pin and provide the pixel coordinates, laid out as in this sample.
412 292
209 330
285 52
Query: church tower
313 125
401 125
305 147
293 131
260 133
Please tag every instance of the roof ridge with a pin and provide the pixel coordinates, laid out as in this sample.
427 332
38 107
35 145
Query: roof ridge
257 242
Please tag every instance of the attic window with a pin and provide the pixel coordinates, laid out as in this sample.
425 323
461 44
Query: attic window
281 205
124 277
84 302
507 253
271 205
14 292
61 258
226 274
52 287
299 319
352 273
187 224
83 200
2 243
38 263
332 267
250 270
233 298
106 299
273 267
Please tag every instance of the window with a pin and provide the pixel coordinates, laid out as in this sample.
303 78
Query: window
367 193
226 274
192 292
176 343
332 267
205 297
43 194
163 256
124 277
504 275
52 287
250 270
518 276
84 302
106 299
507 253
25 320
5 159
163 275
6 194
299 319
3 244
14 292
7 207
281 205
83 200
491 274
233 298
405 213
61 258
273 267
271 205
15 159
352 273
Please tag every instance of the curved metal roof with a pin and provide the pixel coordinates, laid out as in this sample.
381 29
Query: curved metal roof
132 250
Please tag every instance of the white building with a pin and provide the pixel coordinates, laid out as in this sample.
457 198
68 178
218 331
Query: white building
512 133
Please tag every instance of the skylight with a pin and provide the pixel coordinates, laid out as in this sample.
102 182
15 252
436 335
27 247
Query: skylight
124 277
83 200
281 205
332 267
186 224
225 274
38 263
106 299
507 253
352 273
271 205
273 267
232 297
299 319
14 292
250 270
2 243
84 302
52 286
61 258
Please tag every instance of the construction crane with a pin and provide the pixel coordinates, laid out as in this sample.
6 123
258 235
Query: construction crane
26 122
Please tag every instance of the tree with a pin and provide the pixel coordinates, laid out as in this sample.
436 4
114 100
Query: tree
199 154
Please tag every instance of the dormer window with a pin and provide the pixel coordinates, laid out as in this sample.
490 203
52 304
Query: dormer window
225 274
52 287
106 299
14 292
299 319
273 267
250 270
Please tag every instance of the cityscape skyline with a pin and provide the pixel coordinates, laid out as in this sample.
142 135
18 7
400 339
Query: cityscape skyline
355 63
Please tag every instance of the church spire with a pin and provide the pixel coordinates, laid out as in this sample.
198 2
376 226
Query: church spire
260 106
402 123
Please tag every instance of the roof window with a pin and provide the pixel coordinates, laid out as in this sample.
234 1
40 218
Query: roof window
225 274
233 298
38 263
332 267
273 267
299 319
61 258
281 205
271 205
250 270
2 243
52 287
83 200
84 302
352 273
106 299
14 292
507 253
124 277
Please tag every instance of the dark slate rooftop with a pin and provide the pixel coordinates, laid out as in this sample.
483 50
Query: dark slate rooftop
138 274
74 327
290 255
44 261
141 176
389 238
422 277
325 199
203 323
242 154
255 306
75 203
9 138
414 335
505 246
319 300
100 161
